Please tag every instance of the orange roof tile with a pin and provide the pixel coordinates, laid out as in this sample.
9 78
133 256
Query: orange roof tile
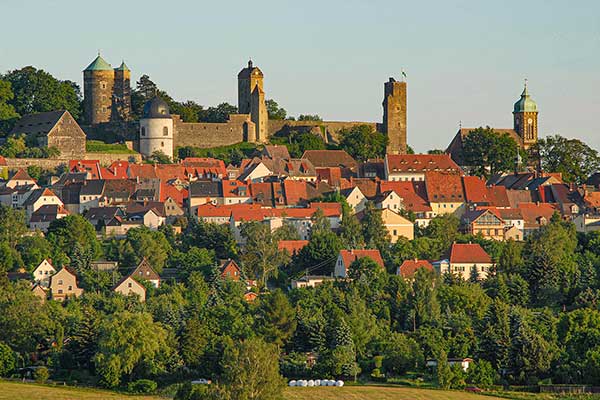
409 267
291 246
413 194
465 253
421 163
349 256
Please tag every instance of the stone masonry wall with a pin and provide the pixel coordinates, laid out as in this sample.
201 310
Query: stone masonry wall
330 129
205 135
51 163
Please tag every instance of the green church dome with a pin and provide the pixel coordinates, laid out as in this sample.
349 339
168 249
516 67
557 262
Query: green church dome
525 103
99 64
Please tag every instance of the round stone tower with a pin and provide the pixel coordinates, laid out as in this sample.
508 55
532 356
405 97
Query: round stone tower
156 128
98 86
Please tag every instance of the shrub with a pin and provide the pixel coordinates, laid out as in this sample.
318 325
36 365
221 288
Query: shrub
7 360
41 375
142 386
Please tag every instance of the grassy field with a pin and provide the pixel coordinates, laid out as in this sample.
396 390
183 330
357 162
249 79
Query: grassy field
377 393
97 146
20 391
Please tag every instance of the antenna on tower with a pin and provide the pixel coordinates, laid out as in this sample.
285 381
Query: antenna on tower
460 124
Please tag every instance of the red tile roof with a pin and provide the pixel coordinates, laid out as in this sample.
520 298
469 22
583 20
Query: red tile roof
171 191
367 186
409 267
232 188
21 175
295 192
466 253
413 194
3 162
291 246
532 212
444 187
330 210
421 163
90 166
210 210
331 175
116 170
349 256
142 171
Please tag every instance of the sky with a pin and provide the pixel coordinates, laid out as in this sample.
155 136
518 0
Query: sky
465 60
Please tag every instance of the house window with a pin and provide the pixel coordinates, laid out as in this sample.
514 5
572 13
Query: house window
165 131
162 144
70 287
143 131
60 291
129 284
60 282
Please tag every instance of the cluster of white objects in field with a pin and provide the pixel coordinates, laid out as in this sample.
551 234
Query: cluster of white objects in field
316 382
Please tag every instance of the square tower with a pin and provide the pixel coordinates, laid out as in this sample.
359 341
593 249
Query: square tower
394 116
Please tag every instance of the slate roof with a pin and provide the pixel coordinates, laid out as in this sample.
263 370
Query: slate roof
40 123
93 187
205 189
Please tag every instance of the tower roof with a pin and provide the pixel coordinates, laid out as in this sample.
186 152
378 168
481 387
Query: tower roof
156 108
123 67
250 70
525 103
99 64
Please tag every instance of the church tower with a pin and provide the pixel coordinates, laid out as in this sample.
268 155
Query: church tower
525 116
98 85
251 100
394 116
122 93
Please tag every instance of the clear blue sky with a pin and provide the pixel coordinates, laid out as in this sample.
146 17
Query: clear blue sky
465 60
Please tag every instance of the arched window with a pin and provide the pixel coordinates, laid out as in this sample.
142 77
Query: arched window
143 131
162 144
165 131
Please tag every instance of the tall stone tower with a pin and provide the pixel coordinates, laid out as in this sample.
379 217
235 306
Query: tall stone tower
98 86
251 100
394 116
525 115
122 93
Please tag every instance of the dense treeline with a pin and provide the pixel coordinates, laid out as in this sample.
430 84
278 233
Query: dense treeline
535 319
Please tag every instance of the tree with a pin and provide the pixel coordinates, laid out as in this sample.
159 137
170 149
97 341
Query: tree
12 225
320 254
276 319
189 111
251 371
365 268
146 89
219 113
65 233
549 262
363 142
158 157
127 342
8 361
37 91
260 256
41 375
351 232
481 373
211 236
401 353
574 159
7 111
375 234
274 111
444 372
142 243
309 117
488 152
424 298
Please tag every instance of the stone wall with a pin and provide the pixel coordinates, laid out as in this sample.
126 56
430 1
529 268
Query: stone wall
328 129
206 135
51 163
113 132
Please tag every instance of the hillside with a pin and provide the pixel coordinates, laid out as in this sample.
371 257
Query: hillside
19 391
377 393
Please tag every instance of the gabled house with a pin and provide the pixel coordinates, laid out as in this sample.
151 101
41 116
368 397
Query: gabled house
389 200
43 272
91 194
129 286
445 193
146 272
231 270
397 225
63 284
347 257
203 192
466 260
43 216
21 178
38 198
485 222
355 198
408 268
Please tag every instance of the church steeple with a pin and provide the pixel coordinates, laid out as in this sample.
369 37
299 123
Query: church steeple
525 116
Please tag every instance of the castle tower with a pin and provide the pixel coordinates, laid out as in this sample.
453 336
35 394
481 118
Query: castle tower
156 128
394 116
525 117
122 93
251 100
98 86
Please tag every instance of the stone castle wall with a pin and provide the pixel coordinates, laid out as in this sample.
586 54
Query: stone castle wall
105 159
206 135
329 130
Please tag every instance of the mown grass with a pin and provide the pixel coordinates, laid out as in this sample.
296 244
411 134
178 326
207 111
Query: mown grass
30 391
377 393
97 146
